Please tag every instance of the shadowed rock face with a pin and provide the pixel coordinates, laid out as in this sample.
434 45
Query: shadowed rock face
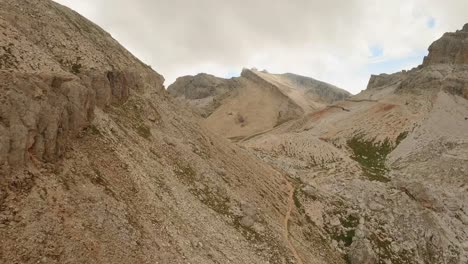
450 48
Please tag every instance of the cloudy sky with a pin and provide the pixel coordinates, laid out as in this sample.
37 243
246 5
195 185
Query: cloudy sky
338 41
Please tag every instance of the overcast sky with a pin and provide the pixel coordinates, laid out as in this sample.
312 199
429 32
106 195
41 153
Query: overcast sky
338 41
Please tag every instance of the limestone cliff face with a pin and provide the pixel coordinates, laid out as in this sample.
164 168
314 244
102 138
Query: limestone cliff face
382 80
55 70
444 67
451 48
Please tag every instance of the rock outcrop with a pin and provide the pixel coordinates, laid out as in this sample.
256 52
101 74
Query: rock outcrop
204 92
451 48
198 87
383 80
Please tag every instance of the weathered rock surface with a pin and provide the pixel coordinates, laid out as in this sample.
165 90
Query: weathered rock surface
322 91
451 48
203 92
99 165
382 80
198 87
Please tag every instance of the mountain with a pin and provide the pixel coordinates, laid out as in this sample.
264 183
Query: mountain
255 102
384 173
204 92
98 164
452 48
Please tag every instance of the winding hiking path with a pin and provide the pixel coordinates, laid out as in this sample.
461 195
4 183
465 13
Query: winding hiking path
286 221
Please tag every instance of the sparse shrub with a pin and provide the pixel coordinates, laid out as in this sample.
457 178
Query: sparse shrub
144 131
401 137
76 68
240 118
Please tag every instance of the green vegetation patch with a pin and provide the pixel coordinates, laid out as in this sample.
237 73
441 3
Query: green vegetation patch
371 156
350 222
346 237
76 68
401 137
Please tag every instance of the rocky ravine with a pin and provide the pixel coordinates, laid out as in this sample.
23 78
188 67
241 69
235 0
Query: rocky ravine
99 165
255 102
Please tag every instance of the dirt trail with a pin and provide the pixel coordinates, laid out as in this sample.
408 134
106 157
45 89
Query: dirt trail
286 222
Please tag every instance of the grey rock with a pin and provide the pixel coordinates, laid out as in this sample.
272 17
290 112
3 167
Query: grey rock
450 48
361 252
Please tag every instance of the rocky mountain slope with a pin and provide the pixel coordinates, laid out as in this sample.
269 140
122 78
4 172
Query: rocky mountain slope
99 165
384 174
255 102
452 48
204 92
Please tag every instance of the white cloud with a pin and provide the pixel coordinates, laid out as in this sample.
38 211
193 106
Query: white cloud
327 40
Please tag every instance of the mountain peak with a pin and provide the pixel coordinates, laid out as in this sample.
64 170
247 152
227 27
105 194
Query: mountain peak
465 27
451 48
